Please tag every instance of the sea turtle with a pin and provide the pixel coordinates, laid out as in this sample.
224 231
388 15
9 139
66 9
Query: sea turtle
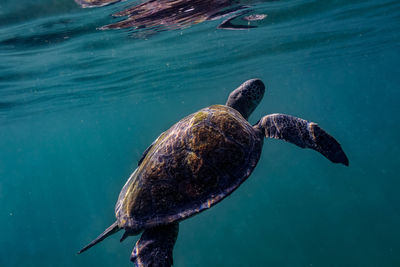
199 161
157 15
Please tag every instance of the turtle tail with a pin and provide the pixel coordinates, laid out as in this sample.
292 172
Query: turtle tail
154 248
109 231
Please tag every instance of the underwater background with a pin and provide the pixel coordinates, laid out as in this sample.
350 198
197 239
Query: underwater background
78 106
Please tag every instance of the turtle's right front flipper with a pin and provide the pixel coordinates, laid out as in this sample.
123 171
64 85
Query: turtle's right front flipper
154 248
304 134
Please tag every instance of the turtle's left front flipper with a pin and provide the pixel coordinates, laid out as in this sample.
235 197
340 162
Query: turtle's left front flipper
155 246
304 134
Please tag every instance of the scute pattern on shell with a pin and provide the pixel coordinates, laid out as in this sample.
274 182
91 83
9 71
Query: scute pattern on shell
193 165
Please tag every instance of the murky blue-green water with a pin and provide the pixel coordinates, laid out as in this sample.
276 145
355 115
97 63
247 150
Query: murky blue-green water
78 106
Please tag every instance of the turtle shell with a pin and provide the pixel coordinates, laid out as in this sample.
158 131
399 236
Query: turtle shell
189 168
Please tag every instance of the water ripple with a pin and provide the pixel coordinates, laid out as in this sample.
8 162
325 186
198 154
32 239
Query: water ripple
58 61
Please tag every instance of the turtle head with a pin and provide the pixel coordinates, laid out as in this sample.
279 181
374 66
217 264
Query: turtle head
246 97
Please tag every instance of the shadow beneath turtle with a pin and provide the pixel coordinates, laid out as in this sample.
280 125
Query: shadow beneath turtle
161 15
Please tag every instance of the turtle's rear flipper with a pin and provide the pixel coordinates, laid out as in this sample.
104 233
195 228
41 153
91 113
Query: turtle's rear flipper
304 134
154 248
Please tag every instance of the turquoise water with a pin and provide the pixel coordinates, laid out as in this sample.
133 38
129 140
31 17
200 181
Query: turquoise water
78 106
